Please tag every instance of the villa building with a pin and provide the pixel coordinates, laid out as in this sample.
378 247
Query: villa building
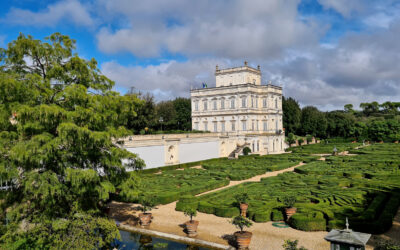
238 112
239 104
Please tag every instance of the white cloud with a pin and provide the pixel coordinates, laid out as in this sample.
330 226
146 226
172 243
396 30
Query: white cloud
344 7
68 11
232 29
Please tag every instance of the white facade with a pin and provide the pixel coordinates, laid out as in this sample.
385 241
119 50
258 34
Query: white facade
238 111
238 104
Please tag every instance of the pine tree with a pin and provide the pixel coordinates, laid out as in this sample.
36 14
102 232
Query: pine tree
58 121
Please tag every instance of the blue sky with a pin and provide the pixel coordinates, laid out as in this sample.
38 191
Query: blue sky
323 52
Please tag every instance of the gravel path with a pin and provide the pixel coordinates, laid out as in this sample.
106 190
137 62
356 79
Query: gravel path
256 178
217 229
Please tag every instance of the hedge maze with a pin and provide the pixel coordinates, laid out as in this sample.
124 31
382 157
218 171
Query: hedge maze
365 188
168 184
325 147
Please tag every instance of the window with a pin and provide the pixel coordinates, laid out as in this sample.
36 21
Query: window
276 103
233 126
252 102
244 125
196 126
257 125
215 127
265 126
205 126
243 102
205 105
223 126
215 104
232 103
222 103
252 127
264 102
254 81
196 106
256 101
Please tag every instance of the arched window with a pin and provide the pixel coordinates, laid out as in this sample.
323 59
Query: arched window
243 102
232 103
222 103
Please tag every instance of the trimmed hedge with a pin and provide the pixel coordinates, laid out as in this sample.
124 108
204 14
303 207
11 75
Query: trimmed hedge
277 215
311 221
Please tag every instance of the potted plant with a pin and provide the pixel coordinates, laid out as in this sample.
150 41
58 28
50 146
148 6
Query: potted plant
191 225
289 201
242 200
243 238
147 202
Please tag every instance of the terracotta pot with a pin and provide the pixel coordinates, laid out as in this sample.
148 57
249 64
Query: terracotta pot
145 219
191 227
290 211
243 239
243 209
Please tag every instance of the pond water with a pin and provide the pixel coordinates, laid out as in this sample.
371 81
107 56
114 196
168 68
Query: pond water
131 240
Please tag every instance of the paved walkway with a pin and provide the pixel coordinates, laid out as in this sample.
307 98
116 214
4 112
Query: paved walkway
218 229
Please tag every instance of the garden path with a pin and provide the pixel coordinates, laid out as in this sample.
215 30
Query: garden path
256 178
217 229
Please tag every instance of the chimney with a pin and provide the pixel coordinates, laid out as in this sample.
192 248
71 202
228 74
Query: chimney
245 63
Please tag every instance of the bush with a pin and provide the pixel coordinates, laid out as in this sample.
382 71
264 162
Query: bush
186 202
262 216
277 215
206 207
226 211
313 221
246 151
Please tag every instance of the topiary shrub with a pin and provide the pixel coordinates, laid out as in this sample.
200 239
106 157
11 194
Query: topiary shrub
226 211
312 221
187 201
262 216
246 151
277 215
206 207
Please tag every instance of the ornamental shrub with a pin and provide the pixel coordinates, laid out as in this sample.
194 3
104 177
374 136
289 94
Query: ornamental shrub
313 221
277 215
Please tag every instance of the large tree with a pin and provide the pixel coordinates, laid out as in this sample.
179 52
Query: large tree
313 122
58 118
183 111
291 115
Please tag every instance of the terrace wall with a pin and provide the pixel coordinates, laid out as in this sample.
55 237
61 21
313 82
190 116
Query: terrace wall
162 150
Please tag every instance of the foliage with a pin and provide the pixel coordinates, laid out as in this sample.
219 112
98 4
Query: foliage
241 222
292 245
376 122
291 138
242 198
364 188
58 118
191 212
171 183
313 122
246 151
301 141
289 200
148 202
291 115
387 245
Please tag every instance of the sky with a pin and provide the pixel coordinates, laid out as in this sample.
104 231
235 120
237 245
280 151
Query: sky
325 53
